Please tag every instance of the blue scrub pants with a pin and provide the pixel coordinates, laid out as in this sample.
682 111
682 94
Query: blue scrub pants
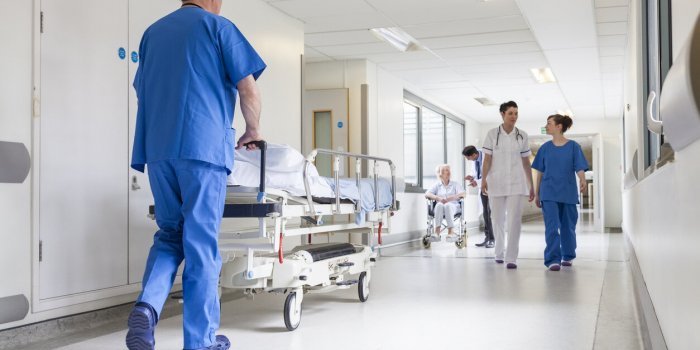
189 202
560 231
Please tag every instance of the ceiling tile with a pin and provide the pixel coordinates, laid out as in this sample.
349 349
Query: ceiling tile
471 26
499 49
611 3
612 14
307 9
353 49
612 28
611 51
346 22
519 36
411 12
612 40
340 38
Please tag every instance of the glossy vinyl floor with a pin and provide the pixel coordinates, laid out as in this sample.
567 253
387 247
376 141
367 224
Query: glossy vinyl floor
443 298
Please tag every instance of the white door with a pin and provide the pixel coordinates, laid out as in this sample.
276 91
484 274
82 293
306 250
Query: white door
141 228
324 123
83 146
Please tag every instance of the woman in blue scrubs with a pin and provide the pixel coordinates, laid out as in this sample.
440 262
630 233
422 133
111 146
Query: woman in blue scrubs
558 162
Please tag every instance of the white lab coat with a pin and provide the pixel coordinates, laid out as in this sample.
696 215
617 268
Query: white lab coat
506 176
507 184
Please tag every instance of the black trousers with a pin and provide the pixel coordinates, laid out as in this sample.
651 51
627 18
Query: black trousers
488 229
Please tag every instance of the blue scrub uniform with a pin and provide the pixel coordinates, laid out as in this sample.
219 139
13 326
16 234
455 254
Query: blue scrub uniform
190 64
559 196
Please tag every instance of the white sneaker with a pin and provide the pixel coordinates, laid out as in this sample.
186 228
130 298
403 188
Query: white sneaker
435 237
451 238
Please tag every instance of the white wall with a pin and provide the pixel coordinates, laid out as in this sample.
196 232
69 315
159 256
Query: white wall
280 41
611 133
385 129
661 210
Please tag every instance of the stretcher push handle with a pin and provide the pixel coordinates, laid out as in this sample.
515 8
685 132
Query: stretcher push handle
262 145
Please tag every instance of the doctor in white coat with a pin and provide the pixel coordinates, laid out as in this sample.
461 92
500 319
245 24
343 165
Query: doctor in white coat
507 179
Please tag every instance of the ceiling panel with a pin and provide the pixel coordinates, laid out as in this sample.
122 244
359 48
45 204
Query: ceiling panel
412 12
612 14
561 24
470 26
413 65
423 76
501 49
307 9
346 22
612 40
353 49
340 38
611 3
574 64
534 59
611 51
612 28
519 36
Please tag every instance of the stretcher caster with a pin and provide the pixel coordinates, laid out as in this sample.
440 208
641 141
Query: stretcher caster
461 243
292 311
363 287
426 242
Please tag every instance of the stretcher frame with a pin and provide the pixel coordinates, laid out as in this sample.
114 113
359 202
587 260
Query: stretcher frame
262 267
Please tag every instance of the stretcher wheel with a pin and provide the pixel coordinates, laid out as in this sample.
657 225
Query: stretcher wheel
292 313
426 242
461 243
363 287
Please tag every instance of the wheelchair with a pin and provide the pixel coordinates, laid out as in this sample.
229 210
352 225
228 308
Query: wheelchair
460 226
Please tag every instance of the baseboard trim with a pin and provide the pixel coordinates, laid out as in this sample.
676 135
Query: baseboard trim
652 335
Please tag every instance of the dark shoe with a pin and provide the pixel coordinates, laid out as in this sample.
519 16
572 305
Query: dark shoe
554 267
483 244
222 343
498 261
511 266
567 263
490 244
142 324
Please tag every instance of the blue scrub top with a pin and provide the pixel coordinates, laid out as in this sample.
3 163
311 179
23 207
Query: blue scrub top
190 63
559 165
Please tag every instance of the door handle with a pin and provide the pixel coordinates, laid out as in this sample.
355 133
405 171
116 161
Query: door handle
135 183
653 124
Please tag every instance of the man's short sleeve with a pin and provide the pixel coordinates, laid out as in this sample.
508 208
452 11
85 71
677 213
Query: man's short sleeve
239 57
488 143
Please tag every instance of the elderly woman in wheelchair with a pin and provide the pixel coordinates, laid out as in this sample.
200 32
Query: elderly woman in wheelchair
446 204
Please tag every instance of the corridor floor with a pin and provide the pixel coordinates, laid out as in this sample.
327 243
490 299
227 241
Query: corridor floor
443 298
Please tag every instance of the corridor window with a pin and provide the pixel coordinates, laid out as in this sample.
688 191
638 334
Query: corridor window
431 137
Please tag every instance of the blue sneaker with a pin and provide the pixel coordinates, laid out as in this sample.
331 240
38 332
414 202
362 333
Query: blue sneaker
222 343
142 325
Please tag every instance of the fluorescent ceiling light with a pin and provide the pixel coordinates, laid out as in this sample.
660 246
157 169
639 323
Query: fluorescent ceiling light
485 101
397 38
566 112
543 75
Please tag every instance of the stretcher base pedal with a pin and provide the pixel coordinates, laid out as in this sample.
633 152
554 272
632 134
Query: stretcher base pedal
347 283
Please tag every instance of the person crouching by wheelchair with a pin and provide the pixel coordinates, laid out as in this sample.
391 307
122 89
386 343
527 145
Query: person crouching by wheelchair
447 194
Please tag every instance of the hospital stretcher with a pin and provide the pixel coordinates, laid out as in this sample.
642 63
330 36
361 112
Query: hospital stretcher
257 267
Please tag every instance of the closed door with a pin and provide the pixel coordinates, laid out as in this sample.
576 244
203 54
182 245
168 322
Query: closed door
82 204
325 125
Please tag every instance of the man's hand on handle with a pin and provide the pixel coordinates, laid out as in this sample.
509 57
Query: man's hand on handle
249 136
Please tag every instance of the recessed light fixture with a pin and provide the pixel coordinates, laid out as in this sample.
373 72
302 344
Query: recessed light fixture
399 39
566 112
485 101
543 75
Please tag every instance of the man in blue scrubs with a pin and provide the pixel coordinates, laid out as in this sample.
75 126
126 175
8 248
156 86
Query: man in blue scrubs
193 64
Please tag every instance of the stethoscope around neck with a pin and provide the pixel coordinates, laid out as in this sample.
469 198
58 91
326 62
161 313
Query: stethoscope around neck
517 134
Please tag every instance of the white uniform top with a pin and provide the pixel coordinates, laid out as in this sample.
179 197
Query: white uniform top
440 190
507 176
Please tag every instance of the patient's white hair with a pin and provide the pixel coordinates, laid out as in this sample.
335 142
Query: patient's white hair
438 169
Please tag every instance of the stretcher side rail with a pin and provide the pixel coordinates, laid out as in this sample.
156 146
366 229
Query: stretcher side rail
358 169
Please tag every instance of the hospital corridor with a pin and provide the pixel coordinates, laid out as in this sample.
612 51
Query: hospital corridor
349 174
